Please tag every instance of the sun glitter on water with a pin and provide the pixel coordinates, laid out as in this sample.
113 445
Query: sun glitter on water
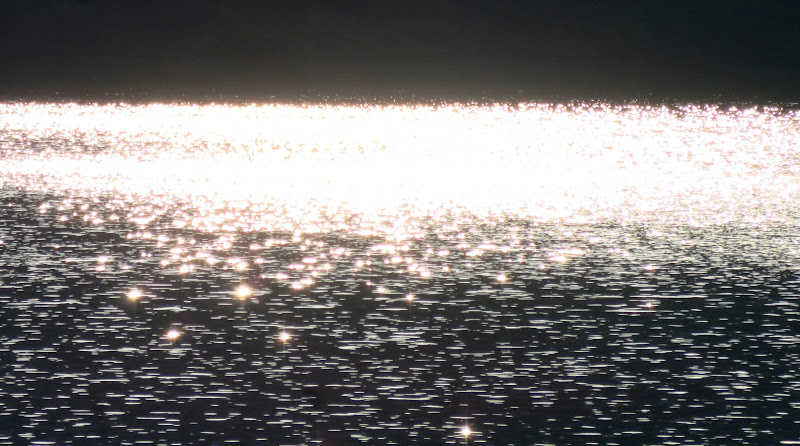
394 174
283 162
332 215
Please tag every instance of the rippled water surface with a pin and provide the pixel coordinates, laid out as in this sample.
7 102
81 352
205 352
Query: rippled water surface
288 274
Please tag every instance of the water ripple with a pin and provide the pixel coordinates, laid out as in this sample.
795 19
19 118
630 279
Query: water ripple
536 274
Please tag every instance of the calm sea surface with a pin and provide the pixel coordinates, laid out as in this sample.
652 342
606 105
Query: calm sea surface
288 274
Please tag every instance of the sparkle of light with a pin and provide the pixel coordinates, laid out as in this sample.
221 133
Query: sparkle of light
243 291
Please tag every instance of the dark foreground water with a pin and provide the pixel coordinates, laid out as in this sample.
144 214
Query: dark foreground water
640 301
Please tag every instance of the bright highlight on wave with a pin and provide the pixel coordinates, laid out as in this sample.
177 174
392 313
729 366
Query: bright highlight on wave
583 162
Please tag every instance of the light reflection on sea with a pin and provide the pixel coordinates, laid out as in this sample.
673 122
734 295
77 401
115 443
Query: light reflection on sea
578 274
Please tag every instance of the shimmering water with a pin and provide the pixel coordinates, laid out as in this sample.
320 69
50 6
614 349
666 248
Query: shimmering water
540 274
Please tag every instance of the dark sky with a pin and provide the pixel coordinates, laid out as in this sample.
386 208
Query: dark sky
448 47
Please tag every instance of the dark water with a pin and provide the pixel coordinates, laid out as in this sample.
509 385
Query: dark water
566 355
655 326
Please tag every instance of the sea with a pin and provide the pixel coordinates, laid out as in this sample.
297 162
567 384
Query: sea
312 273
